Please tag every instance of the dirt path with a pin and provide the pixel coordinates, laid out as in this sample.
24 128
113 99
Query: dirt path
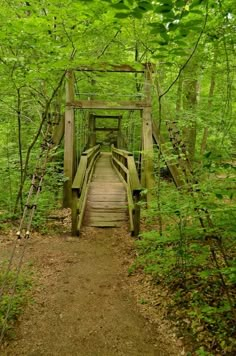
83 303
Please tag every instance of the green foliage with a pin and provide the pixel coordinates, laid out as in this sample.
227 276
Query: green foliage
11 304
180 256
192 41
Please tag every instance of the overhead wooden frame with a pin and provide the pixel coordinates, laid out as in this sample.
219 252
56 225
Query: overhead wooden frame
144 106
107 116
108 105
106 67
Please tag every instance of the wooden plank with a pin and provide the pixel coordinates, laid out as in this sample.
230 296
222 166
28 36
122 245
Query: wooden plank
108 105
107 198
104 224
106 129
111 216
123 153
80 174
58 131
106 191
107 210
107 205
119 117
147 174
104 185
172 165
133 175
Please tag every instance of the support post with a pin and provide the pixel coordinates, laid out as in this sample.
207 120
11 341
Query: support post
147 173
92 132
69 141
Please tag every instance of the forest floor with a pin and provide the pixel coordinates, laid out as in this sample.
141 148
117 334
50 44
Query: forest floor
84 302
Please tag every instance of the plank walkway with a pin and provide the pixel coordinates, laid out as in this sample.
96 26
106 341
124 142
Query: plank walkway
107 199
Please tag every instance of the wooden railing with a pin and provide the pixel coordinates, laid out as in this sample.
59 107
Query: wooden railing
123 162
80 186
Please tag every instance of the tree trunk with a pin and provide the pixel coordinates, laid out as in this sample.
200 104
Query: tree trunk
210 97
190 95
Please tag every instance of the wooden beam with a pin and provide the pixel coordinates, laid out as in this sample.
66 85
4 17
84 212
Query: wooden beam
106 129
108 105
107 116
58 131
147 174
171 163
106 67
69 142
92 133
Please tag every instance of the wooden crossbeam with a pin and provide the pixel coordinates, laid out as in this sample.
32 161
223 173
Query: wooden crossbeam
108 105
107 116
106 129
105 67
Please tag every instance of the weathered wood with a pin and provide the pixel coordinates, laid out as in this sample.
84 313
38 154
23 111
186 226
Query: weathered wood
108 105
133 175
74 212
106 67
58 131
121 152
171 163
106 129
147 174
106 201
136 214
106 205
80 186
119 117
69 141
92 133
107 216
123 162
107 198
80 174
105 223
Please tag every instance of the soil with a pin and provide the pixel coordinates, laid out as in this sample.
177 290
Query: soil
85 302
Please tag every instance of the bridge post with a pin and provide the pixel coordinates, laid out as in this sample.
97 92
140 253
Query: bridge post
147 167
69 141
92 132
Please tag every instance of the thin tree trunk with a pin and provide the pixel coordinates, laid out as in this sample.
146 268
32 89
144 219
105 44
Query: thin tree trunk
190 89
179 97
20 143
210 97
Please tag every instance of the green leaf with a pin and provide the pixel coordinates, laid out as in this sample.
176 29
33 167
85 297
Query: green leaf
163 8
158 27
144 5
207 154
122 15
120 6
137 13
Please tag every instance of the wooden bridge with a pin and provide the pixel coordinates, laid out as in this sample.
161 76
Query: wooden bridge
103 188
106 190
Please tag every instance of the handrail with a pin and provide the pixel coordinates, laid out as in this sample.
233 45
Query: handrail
80 186
123 162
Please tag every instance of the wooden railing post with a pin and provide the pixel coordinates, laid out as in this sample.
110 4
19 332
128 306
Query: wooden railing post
147 171
123 162
69 141
80 186
136 214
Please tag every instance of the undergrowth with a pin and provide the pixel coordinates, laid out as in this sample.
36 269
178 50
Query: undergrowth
196 262
12 300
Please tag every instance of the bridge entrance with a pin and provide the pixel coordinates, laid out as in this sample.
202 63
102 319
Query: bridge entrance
111 134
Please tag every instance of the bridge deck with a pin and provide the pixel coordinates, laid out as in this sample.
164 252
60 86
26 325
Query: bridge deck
107 199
